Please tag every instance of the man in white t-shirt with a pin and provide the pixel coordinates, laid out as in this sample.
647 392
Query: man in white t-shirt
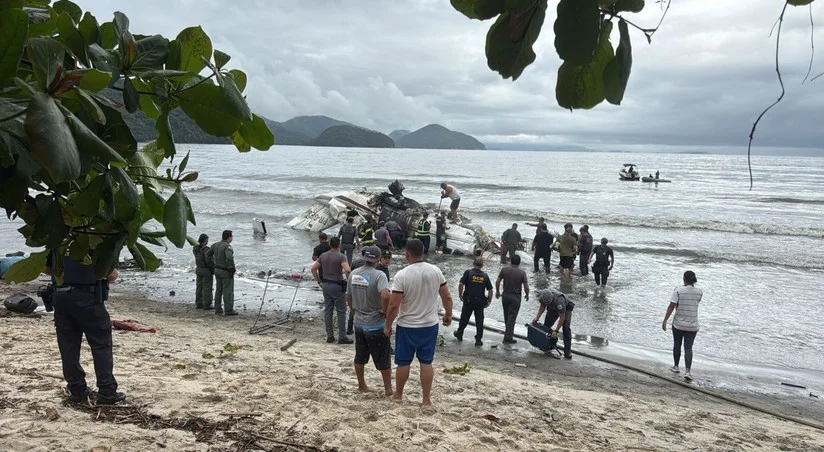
414 301
448 191
684 302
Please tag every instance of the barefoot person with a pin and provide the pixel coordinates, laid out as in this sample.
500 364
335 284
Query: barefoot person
367 294
684 302
414 302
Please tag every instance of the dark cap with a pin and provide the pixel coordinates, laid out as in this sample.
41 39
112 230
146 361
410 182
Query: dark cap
604 241
478 262
386 253
371 254
585 228
541 219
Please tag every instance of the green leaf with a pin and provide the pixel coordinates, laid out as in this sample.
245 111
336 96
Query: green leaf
576 30
45 28
130 96
90 29
257 133
72 10
212 108
106 256
127 187
27 269
616 74
127 48
108 36
239 104
150 261
87 202
152 53
46 57
583 86
799 2
89 142
509 41
116 133
174 218
50 139
187 51
221 59
633 6
479 9
190 214
91 106
79 249
49 228
71 37
240 143
239 77
120 24
11 4
94 80
155 203
14 27
109 205
183 163
153 241
165 136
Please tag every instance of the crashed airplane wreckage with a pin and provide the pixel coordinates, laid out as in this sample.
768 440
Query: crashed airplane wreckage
332 210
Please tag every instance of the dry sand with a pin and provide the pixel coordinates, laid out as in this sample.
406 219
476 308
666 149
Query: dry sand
307 396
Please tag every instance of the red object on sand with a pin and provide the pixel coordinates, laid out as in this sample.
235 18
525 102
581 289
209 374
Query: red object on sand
132 325
296 275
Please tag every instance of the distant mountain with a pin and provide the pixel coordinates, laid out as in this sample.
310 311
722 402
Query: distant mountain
352 137
435 136
311 126
397 134
286 136
536 147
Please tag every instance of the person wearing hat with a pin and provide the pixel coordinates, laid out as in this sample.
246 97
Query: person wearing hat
367 294
567 247
222 256
604 259
584 249
366 232
558 307
448 191
471 292
684 302
383 263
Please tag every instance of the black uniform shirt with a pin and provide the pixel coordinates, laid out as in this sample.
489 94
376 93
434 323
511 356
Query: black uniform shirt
475 282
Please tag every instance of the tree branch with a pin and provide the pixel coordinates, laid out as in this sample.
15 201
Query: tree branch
198 83
812 45
669 2
780 81
139 92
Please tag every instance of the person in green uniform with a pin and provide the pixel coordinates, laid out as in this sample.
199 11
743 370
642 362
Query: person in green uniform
568 248
204 274
224 262
510 241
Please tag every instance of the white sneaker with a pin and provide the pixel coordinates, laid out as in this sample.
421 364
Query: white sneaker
687 376
675 369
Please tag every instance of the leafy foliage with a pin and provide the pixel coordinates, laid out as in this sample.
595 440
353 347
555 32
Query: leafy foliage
69 163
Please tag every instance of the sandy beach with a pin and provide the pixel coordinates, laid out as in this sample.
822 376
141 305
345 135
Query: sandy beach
184 381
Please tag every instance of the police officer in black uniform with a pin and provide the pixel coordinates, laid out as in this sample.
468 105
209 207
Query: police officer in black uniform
79 309
471 292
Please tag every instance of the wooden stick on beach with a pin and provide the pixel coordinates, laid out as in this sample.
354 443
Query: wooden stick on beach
288 344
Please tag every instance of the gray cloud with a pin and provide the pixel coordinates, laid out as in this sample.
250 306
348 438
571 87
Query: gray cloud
388 65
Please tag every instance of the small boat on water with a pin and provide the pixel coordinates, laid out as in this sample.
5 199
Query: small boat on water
629 172
652 179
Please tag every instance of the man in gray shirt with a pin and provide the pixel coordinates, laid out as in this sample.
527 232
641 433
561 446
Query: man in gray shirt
558 306
368 294
382 238
333 264
514 279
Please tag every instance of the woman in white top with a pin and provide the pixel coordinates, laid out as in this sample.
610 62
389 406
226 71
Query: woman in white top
684 302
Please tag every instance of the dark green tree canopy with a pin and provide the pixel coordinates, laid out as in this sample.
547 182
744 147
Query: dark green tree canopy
69 165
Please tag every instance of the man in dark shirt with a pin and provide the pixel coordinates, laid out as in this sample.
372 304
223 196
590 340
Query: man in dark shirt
471 292
558 306
79 310
440 233
542 244
604 259
510 240
396 233
347 234
321 248
335 270
584 248
204 273
383 263
514 279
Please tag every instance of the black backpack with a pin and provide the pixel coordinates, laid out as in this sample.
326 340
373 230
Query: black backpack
20 303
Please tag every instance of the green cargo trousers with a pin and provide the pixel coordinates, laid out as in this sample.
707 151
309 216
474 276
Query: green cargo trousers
224 291
203 289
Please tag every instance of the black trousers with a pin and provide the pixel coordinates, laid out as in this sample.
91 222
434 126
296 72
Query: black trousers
425 240
76 314
398 239
601 274
546 255
512 305
473 307
584 263
688 338
549 320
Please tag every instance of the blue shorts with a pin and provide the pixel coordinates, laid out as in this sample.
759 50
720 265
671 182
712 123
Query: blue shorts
411 342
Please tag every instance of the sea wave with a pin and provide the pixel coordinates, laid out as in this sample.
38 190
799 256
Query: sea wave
655 223
769 259
292 196
783 200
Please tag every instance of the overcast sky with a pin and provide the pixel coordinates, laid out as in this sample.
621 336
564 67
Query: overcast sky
391 64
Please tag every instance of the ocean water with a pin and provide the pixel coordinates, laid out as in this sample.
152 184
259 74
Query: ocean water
757 254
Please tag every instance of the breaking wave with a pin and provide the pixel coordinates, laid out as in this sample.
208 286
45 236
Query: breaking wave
657 223
767 259
781 200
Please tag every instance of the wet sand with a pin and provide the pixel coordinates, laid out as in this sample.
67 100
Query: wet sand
307 395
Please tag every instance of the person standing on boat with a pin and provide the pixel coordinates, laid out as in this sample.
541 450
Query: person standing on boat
584 249
542 245
684 302
657 174
448 191
510 240
347 235
567 247
204 273
604 259
514 280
